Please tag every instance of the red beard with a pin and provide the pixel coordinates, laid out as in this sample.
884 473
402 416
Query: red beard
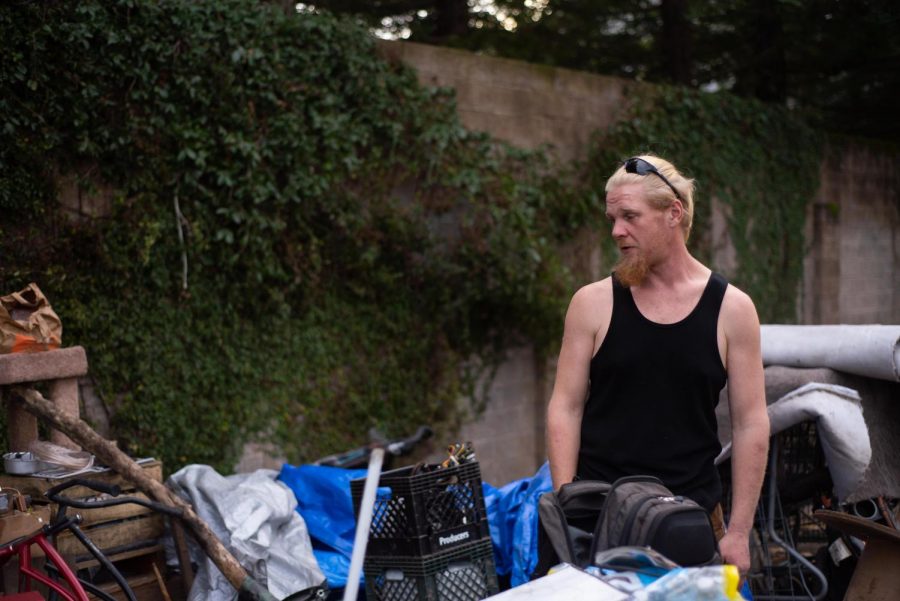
632 269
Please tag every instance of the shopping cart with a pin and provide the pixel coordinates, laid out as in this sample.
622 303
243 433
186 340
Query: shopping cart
786 539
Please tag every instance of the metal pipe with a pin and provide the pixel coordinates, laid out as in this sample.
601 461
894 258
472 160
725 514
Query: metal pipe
366 508
866 509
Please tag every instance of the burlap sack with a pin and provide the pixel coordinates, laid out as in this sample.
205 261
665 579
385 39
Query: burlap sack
28 323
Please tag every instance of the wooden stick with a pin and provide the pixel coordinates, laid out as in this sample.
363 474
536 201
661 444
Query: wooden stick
161 583
109 454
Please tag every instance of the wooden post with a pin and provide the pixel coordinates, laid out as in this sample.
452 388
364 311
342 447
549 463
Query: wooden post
64 394
22 427
61 368
184 558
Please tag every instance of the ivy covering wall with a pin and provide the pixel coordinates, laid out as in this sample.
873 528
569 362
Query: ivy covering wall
301 241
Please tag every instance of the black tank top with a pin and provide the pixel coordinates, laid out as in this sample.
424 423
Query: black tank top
653 393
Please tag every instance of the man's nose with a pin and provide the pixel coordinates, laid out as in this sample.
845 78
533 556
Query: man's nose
618 230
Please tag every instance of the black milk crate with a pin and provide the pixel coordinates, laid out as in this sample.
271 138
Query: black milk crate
425 513
466 573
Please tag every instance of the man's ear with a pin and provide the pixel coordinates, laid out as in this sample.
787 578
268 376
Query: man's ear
675 213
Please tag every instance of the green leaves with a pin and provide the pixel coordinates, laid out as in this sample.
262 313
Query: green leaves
349 246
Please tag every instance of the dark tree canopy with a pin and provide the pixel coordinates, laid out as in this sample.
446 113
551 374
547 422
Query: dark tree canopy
839 59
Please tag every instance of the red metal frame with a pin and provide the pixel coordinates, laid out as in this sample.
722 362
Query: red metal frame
73 592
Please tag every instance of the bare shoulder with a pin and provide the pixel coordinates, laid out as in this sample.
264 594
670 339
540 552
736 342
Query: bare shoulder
594 292
738 316
590 311
592 298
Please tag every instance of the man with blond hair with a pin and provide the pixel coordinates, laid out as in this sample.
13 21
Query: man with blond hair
645 353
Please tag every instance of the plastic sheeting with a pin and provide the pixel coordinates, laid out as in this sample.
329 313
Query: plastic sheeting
324 501
842 430
253 515
864 350
513 520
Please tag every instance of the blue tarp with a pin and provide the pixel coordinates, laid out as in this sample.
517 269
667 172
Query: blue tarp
323 499
513 519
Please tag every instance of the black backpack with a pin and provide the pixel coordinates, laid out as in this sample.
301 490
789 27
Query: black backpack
586 517
566 524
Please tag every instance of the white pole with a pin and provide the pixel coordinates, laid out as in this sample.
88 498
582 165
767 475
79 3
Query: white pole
363 524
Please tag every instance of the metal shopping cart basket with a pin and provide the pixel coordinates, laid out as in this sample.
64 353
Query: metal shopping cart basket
786 538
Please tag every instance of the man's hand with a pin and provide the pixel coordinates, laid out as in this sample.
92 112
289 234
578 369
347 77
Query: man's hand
735 549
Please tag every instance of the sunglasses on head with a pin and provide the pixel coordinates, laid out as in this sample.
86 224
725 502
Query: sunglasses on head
641 167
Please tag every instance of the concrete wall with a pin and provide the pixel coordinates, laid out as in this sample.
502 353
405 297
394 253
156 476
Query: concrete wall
524 104
851 272
512 425
852 269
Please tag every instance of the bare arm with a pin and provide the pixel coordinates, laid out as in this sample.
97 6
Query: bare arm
749 422
566 407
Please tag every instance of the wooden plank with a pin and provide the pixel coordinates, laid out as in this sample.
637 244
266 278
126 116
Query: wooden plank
31 485
114 534
117 557
144 587
146 580
23 523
